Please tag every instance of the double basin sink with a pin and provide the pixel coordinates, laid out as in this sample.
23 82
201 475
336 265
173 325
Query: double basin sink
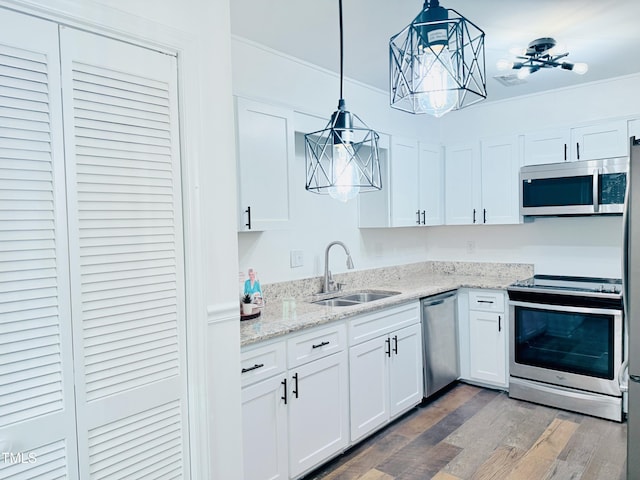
355 298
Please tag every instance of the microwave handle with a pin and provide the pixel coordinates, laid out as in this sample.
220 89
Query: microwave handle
596 189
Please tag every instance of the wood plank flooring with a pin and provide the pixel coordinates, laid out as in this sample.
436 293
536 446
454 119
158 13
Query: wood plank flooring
472 433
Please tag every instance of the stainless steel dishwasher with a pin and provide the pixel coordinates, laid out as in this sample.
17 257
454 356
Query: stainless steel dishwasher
440 344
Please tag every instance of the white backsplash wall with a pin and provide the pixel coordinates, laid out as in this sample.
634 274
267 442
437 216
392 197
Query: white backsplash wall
587 246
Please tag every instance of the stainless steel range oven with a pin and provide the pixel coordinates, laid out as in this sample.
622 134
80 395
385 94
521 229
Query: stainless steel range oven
566 343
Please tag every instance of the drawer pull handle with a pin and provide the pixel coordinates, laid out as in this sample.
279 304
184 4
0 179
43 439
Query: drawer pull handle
388 349
499 323
318 345
255 367
485 301
395 344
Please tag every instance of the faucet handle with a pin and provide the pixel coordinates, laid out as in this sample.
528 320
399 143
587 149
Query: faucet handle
340 285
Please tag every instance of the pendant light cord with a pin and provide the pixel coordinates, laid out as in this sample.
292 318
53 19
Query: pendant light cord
341 47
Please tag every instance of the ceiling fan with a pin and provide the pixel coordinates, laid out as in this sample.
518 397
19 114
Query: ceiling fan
539 54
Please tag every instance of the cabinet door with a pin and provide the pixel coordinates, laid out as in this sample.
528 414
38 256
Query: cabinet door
431 180
318 412
603 140
405 369
404 182
487 347
461 188
500 169
368 386
264 430
265 141
548 146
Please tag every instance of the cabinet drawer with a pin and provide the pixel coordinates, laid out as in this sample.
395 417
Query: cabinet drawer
372 325
486 301
261 362
316 344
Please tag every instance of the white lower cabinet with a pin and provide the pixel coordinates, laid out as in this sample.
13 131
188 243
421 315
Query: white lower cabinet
318 412
385 365
483 336
264 412
264 430
295 403
405 369
307 397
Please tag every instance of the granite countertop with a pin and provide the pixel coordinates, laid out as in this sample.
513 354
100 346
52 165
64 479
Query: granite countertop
290 310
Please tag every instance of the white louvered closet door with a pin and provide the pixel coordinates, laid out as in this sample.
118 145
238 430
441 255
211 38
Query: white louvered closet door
37 412
126 258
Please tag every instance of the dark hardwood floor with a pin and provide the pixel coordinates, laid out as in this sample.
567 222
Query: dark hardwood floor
479 434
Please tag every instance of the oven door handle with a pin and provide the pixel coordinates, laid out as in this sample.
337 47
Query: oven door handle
566 308
623 376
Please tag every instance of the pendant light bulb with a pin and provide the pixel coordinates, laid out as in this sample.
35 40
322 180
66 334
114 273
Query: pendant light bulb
346 181
438 92
345 178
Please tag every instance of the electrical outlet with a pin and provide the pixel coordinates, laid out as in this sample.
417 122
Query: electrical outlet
296 258
471 246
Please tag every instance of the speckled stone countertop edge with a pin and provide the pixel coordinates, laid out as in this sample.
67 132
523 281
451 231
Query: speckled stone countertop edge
284 316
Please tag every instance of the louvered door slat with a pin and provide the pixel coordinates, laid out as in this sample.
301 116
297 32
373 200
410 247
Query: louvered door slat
125 232
88 108
22 124
117 122
108 446
48 464
157 345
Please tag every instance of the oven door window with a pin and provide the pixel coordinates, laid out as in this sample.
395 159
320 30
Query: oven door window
578 343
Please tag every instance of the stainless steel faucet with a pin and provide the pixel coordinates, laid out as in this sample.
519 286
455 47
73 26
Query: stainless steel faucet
329 284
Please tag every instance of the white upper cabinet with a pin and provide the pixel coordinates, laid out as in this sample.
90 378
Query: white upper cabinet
404 184
462 176
589 142
481 185
265 143
500 167
603 140
431 178
412 186
548 146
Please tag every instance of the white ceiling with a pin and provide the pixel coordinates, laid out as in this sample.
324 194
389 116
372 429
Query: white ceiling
603 33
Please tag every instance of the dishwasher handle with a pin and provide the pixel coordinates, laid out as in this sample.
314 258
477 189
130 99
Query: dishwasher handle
438 299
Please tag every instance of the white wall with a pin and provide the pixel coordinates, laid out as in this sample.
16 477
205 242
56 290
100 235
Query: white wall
578 246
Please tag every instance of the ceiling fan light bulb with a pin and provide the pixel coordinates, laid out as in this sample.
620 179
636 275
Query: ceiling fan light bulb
523 73
580 68
504 64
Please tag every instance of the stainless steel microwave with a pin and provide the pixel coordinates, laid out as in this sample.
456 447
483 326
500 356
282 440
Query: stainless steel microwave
588 187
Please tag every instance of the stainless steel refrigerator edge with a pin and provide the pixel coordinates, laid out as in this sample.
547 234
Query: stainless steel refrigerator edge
631 285
439 326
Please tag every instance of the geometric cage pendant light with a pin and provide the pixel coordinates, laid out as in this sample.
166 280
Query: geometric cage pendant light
437 63
342 160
